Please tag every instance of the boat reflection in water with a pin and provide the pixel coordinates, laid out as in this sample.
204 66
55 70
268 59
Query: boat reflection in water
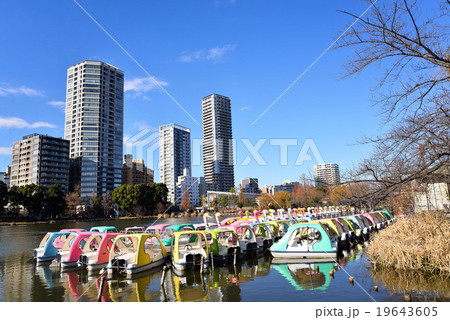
191 286
70 286
222 283
142 287
47 275
218 284
305 274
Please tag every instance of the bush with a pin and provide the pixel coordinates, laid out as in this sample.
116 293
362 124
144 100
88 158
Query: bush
418 242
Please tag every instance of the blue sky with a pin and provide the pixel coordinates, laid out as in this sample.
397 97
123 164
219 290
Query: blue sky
250 51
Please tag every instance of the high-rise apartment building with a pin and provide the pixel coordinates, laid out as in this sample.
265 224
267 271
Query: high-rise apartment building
174 156
134 171
94 126
217 143
41 160
326 174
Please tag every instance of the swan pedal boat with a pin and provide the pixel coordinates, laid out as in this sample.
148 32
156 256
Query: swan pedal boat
247 238
133 253
167 235
132 230
157 228
69 254
50 245
306 240
190 248
104 229
95 255
224 245
263 236
278 228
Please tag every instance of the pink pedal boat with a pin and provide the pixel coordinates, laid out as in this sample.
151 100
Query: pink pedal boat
67 257
96 251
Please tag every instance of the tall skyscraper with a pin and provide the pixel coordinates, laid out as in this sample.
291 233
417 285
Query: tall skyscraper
94 126
41 160
174 156
326 174
217 143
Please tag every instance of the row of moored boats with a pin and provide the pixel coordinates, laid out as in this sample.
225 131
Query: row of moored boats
291 234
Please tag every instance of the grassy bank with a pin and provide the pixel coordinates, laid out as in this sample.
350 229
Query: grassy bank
418 242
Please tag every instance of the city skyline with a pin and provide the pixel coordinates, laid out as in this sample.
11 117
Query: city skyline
183 68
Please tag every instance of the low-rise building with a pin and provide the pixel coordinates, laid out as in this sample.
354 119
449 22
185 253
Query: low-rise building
5 176
250 185
190 186
287 186
433 193
134 171
42 160
232 198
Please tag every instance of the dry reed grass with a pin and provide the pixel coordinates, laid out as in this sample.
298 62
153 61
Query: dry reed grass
418 242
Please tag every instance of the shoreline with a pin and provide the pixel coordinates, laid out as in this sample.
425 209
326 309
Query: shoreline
55 221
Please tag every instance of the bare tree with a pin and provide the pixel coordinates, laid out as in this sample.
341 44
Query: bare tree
412 44
73 199
107 204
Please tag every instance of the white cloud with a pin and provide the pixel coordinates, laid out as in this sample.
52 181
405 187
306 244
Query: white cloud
7 151
141 85
142 125
6 123
61 105
6 90
224 2
214 54
195 56
245 108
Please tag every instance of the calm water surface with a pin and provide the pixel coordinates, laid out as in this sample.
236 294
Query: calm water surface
257 279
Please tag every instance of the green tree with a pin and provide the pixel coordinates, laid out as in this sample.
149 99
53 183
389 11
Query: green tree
33 199
145 196
161 193
141 198
224 202
3 195
56 202
124 197
15 198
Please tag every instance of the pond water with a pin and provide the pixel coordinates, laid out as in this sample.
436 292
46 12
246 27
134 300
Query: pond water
255 279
